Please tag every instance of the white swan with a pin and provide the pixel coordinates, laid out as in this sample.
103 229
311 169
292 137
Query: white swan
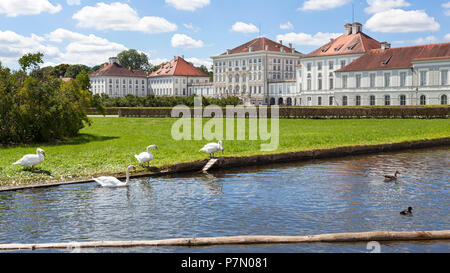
32 160
146 157
112 182
212 148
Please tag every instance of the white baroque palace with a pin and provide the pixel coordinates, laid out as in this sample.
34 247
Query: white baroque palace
247 70
351 70
355 69
117 81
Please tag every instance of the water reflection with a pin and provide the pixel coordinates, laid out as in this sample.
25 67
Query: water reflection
323 196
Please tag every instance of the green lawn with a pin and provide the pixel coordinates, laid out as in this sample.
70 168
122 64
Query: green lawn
109 145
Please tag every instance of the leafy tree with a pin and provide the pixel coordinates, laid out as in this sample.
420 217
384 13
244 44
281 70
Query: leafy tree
73 70
134 60
83 80
59 70
31 61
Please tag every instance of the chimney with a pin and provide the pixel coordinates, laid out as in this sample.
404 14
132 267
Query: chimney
385 45
113 60
281 42
228 52
266 47
182 57
250 49
290 45
356 27
348 29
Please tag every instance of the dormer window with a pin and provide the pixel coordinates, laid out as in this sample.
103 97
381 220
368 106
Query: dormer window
338 48
387 60
352 47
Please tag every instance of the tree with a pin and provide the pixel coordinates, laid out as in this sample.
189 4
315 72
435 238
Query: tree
83 80
31 61
73 70
59 70
134 60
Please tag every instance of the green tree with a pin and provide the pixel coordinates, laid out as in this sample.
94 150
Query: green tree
73 70
31 61
134 60
59 70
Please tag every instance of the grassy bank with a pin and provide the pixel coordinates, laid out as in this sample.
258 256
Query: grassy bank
109 145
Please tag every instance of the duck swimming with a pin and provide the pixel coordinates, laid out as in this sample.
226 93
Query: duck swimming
407 212
390 178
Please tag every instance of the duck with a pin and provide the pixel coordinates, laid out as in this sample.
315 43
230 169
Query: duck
212 148
112 182
407 212
146 157
31 160
390 178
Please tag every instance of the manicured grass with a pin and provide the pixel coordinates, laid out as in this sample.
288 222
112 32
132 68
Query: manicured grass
109 145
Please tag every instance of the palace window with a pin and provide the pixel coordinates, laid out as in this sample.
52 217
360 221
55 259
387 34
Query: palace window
444 100
372 100
402 79
372 80
387 79
358 101
402 100
387 100
423 78
423 100
358 81
344 100
444 77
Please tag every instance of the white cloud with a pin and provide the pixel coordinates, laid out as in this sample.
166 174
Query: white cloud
244 28
184 41
73 2
199 62
191 27
323 4
14 8
376 6
158 61
13 46
447 7
189 5
398 20
427 40
288 25
447 37
59 46
304 39
120 17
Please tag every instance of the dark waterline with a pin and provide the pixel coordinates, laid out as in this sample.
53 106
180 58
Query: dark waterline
332 196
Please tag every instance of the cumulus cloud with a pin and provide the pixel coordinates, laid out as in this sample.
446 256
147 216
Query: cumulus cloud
120 17
191 27
14 8
184 41
73 2
59 46
304 39
199 62
244 28
13 46
189 5
376 6
447 7
323 4
447 37
288 25
398 20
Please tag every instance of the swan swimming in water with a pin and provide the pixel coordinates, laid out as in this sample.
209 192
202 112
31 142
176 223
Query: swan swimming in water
146 157
212 148
31 160
112 182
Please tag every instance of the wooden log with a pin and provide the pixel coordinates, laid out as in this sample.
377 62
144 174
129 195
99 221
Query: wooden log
381 236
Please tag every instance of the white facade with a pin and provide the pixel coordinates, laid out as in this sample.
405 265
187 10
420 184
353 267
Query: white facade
119 86
247 74
283 93
173 85
202 89
426 83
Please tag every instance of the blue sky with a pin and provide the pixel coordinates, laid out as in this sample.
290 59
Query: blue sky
88 31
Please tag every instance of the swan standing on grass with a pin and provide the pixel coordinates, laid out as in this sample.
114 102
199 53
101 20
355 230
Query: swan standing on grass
31 160
112 182
146 157
212 148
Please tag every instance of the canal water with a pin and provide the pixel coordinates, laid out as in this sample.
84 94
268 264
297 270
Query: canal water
324 196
